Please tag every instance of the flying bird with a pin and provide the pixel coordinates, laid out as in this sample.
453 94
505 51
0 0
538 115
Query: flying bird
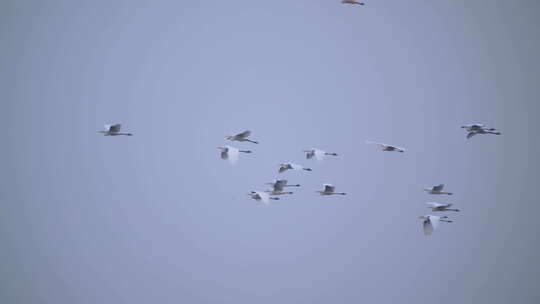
241 137
330 190
386 147
279 185
262 197
431 222
318 154
290 166
114 130
441 207
352 2
231 153
476 128
437 189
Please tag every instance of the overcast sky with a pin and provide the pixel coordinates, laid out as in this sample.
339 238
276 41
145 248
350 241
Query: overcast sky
160 218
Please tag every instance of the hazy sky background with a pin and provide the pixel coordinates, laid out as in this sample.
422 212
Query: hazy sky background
159 218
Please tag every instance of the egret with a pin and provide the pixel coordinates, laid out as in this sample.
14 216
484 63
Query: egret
352 2
241 137
431 222
231 153
386 147
318 154
262 196
114 130
437 189
330 190
441 207
286 166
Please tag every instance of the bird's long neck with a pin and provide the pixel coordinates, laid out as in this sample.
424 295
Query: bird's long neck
252 141
456 210
245 151
298 185
307 169
333 154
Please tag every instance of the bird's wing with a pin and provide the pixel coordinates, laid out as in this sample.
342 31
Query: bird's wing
282 169
244 134
328 188
265 197
434 221
438 187
471 134
224 154
296 167
279 185
233 154
426 225
115 128
434 205
319 154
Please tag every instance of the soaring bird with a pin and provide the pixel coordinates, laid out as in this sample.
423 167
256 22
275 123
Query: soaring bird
231 153
431 222
441 207
279 185
352 2
262 196
286 166
330 190
241 137
476 128
437 189
386 147
113 130
318 154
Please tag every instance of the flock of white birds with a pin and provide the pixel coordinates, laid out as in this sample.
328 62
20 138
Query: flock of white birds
231 154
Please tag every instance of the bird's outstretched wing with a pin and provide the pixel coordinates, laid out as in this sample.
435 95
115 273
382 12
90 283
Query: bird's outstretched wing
115 128
434 221
427 227
328 188
244 134
434 205
319 154
471 134
439 187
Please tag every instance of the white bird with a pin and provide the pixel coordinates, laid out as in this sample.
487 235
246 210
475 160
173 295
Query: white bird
473 126
262 196
241 137
330 190
231 153
441 207
437 189
113 130
286 166
352 2
386 147
279 185
318 154
431 222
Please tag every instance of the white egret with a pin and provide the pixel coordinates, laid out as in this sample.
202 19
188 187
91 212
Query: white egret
290 166
260 196
437 189
114 130
317 153
241 137
441 207
386 147
352 2
330 190
231 153
431 222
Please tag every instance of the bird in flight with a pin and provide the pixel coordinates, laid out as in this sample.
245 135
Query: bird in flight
431 222
437 189
114 130
231 153
352 2
262 197
441 207
386 147
278 187
317 153
241 137
290 166
330 190
476 128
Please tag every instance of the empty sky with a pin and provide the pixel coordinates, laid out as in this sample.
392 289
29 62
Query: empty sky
159 218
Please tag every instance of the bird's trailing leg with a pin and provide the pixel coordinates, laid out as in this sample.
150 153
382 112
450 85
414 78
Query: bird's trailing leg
307 169
245 151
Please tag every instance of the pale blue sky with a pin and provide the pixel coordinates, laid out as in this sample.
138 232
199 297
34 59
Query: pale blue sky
159 218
